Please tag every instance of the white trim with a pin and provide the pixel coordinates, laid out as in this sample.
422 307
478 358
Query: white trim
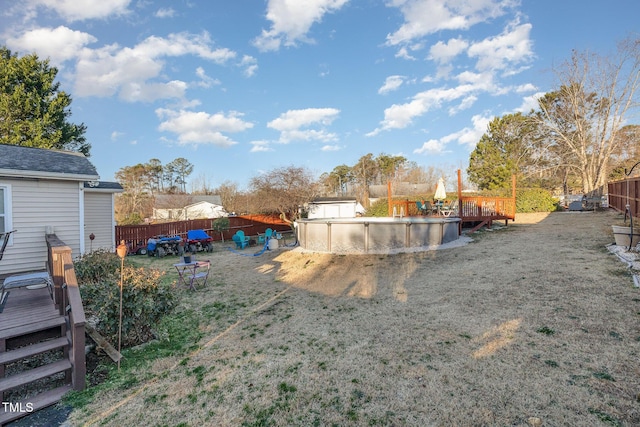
113 219
8 206
81 215
16 173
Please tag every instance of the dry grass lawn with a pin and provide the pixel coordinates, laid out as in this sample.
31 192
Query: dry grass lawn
532 324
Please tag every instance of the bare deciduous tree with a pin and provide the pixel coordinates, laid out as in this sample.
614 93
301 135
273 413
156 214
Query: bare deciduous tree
136 202
230 196
284 190
583 118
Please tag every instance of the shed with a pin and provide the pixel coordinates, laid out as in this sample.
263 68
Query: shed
50 190
335 207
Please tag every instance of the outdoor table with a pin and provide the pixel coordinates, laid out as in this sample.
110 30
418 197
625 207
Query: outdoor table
191 273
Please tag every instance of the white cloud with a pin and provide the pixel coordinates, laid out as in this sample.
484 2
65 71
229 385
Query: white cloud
465 104
74 10
424 17
391 83
205 80
443 53
331 148
432 146
292 20
250 65
201 127
58 44
165 12
149 92
527 87
467 136
403 52
292 124
115 135
499 52
399 116
471 136
260 146
530 103
126 71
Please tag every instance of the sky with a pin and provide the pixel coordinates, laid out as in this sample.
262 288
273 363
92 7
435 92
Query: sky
240 88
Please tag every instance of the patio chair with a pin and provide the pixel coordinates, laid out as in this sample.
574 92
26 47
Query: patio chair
241 240
428 207
266 236
4 240
450 209
200 274
35 280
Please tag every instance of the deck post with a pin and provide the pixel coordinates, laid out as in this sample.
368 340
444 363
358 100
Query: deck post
389 204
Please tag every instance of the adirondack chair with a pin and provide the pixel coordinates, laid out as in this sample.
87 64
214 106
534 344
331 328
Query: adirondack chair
266 236
241 240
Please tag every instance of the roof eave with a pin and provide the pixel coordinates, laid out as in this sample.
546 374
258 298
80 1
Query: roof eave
13 173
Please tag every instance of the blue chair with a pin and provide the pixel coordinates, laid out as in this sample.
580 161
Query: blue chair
241 240
266 236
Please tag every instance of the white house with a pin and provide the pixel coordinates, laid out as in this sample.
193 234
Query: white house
53 190
180 207
334 207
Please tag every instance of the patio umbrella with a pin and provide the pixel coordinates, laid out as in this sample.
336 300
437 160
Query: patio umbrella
441 194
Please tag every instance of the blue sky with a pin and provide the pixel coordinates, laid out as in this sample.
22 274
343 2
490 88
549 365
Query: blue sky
242 87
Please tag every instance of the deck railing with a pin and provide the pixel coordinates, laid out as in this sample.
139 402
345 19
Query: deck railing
475 208
69 303
481 207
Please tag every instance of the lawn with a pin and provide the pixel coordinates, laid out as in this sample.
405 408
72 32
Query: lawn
532 324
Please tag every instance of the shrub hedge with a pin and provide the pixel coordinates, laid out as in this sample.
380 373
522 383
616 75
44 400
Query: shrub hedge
535 200
145 300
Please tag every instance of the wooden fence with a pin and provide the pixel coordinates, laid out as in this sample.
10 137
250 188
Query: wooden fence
625 192
471 209
136 236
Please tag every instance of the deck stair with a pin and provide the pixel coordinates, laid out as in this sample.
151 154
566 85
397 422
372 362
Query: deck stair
42 337
35 367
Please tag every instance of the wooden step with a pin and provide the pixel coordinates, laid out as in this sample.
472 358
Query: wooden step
32 350
33 404
32 327
35 374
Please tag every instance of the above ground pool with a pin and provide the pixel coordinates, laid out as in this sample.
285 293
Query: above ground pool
375 234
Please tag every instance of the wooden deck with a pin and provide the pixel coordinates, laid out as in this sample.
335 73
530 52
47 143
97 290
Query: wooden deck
476 210
24 307
42 340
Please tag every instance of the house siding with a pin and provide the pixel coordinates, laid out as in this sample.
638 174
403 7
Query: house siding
36 204
98 214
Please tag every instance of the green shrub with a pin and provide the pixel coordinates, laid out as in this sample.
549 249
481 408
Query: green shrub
535 200
144 299
97 266
378 208
220 224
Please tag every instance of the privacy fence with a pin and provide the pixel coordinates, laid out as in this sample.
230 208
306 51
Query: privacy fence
136 236
625 192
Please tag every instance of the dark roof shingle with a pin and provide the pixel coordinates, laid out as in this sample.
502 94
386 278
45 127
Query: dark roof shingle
54 162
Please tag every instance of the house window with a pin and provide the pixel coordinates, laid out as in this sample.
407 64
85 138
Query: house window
5 208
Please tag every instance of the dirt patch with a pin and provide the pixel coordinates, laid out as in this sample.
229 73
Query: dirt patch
531 323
